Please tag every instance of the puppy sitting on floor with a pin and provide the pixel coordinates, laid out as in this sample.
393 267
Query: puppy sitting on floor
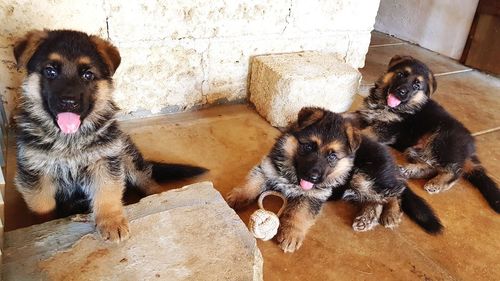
71 153
399 112
322 157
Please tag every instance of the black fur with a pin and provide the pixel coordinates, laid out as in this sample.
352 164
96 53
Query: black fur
163 172
420 212
485 185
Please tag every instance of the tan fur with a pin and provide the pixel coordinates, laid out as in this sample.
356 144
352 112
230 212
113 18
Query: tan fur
41 200
354 137
470 166
417 100
391 214
397 59
242 196
335 146
308 116
363 186
55 57
442 182
83 60
317 140
27 46
290 146
418 170
295 223
107 203
368 217
108 52
387 78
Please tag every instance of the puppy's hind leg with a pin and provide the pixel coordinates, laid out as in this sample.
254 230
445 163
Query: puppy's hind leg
368 217
444 180
241 196
391 214
417 171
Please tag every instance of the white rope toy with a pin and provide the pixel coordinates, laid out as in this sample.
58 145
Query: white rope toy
264 224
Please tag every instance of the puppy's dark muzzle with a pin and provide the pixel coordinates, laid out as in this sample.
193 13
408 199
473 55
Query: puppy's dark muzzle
314 176
69 105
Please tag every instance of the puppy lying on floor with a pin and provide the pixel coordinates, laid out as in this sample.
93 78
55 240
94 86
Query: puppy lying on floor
71 153
399 112
323 157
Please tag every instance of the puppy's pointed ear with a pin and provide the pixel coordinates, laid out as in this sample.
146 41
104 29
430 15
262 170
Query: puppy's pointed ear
432 83
353 137
26 47
309 115
108 53
397 59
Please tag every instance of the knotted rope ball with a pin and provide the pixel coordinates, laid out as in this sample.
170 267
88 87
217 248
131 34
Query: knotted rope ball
264 224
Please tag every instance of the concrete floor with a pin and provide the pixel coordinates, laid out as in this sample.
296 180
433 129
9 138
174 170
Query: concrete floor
229 140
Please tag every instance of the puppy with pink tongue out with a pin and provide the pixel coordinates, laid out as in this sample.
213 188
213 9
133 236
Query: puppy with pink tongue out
322 157
312 158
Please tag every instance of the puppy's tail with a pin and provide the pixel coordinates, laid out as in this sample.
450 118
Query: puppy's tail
162 172
476 174
420 212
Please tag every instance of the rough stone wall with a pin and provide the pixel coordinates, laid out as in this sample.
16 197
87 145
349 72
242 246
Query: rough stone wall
185 53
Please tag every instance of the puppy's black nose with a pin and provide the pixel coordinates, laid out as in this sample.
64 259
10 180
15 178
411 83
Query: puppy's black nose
402 91
68 104
314 175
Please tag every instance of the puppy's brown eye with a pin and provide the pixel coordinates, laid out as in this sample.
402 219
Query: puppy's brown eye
88 75
50 72
416 86
306 147
331 156
400 74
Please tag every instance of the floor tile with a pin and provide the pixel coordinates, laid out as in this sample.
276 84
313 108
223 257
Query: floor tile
470 241
488 151
378 58
379 38
472 97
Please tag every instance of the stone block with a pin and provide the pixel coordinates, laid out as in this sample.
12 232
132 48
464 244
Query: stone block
182 234
280 85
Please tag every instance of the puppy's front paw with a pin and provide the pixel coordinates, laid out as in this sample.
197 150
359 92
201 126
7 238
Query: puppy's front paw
113 228
364 223
404 172
290 238
432 187
238 198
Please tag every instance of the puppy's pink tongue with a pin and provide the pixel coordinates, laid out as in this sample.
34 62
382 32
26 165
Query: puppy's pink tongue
68 122
392 101
306 185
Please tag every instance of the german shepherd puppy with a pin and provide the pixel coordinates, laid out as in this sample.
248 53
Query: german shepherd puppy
71 153
400 112
323 157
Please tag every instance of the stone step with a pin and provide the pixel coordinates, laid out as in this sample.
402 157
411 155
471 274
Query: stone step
281 84
183 234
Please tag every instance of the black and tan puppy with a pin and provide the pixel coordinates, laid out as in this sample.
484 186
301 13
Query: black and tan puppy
399 112
321 157
71 154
